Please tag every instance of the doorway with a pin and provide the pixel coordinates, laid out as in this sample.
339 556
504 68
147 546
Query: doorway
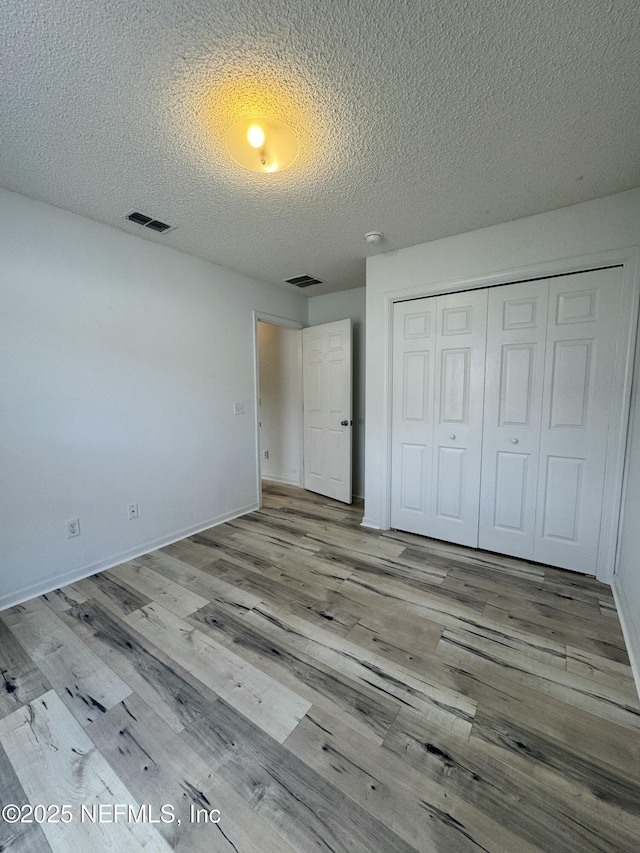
304 415
279 401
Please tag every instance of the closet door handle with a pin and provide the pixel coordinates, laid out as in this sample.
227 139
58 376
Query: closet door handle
344 423
452 436
514 441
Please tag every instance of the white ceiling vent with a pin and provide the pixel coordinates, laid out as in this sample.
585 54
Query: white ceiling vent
148 221
303 280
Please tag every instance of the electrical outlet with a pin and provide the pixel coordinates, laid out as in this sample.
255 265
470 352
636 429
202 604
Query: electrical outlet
132 511
266 454
238 408
73 528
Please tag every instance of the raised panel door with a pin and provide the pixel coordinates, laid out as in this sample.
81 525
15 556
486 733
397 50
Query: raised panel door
461 323
583 324
507 452
326 358
437 379
412 414
516 336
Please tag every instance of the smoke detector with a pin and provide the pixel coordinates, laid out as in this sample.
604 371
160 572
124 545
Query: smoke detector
373 237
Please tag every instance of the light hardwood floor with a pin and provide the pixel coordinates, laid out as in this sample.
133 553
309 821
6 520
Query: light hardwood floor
324 688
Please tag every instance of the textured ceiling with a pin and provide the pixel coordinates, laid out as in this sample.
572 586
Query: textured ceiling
420 119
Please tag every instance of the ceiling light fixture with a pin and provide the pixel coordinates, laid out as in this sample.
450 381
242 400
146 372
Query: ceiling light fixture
262 145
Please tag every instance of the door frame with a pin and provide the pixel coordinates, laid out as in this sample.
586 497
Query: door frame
272 319
629 259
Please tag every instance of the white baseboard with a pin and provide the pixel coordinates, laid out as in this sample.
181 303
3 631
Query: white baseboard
45 586
373 523
288 481
630 622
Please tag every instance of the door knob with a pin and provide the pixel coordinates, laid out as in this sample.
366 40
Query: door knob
514 441
452 436
344 423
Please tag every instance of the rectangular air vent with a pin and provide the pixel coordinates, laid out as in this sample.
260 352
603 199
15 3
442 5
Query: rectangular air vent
156 225
303 280
148 221
139 218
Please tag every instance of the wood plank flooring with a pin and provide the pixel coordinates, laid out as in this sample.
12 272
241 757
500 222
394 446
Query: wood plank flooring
290 681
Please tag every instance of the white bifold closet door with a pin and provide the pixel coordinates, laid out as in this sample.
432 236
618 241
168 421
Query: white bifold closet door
580 362
510 458
516 341
551 354
438 376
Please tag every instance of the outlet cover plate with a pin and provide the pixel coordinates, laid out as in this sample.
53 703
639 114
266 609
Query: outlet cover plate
73 528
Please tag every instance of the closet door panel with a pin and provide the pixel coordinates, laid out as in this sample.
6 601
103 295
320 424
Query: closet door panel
516 335
511 494
583 323
414 334
457 435
562 499
451 478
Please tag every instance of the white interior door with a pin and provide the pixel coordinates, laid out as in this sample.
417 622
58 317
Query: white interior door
527 477
516 338
327 366
582 335
457 434
414 344
438 379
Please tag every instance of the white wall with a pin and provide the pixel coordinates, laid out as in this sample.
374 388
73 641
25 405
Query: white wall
626 584
280 365
340 306
547 243
120 362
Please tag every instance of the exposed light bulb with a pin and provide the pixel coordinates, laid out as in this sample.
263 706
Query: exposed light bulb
255 135
262 144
